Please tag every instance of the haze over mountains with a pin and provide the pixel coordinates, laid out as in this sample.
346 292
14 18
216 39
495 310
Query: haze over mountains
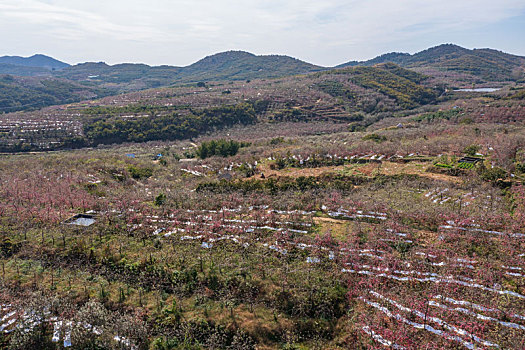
447 64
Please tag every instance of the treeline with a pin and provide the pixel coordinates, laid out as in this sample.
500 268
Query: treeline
223 148
169 127
112 111
112 128
301 183
68 142
316 161
430 117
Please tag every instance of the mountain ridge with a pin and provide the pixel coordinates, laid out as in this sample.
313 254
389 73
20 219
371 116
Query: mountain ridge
455 62
448 65
480 64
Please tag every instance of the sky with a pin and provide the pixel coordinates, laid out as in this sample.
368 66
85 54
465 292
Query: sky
180 32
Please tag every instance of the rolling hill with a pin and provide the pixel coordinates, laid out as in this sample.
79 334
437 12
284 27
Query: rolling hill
481 65
29 93
232 65
23 71
240 65
120 77
357 95
447 64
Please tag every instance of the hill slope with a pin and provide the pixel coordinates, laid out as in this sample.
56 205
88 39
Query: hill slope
33 93
481 65
447 64
356 94
23 71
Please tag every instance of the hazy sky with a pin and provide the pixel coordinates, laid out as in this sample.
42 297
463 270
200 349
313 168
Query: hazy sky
325 32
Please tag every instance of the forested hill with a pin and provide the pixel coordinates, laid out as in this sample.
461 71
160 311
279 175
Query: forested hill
38 60
483 64
396 87
36 65
231 65
31 93
239 65
23 71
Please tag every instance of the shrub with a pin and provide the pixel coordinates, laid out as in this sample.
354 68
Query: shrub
445 115
374 137
466 121
356 127
471 150
160 199
276 140
493 174
220 147
139 173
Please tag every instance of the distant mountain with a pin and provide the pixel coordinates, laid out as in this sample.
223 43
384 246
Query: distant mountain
231 65
240 65
481 65
448 64
39 61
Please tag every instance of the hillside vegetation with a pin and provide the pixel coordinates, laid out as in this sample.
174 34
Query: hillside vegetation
485 65
232 65
186 112
34 93
395 82
448 65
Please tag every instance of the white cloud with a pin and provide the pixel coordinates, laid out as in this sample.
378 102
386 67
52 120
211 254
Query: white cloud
181 31
67 23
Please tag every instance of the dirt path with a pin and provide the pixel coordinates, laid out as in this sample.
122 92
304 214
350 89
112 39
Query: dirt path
369 169
318 220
